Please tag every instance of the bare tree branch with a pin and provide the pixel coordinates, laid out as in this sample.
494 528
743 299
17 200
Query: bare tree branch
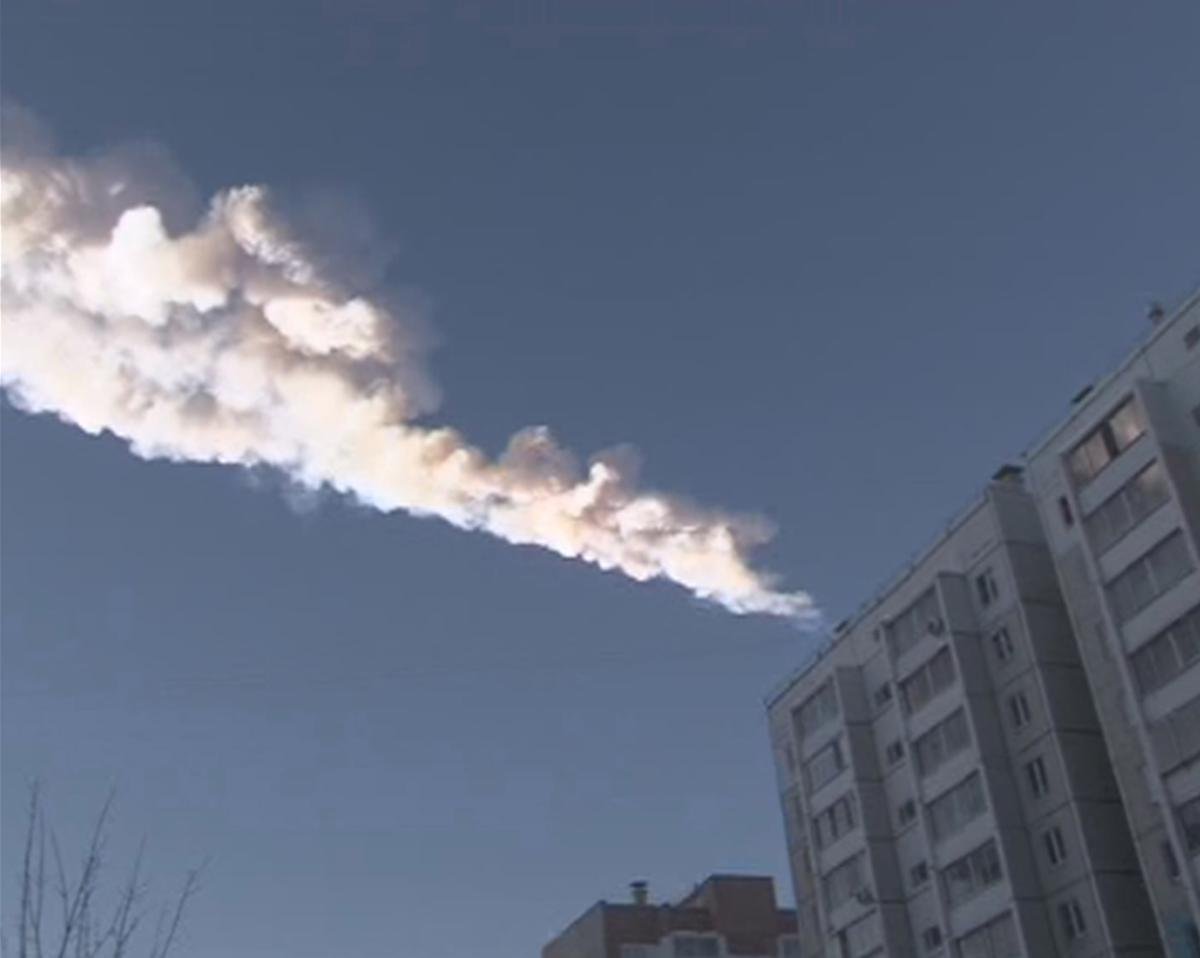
191 885
80 931
23 929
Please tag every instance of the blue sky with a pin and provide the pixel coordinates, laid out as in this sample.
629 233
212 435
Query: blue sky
830 261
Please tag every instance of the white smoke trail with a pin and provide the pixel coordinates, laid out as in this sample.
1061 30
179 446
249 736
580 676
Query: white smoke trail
241 334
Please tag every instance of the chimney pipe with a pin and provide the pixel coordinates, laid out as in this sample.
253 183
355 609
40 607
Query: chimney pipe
1156 313
640 892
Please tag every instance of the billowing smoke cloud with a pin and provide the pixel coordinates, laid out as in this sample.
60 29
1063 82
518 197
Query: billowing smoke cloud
252 332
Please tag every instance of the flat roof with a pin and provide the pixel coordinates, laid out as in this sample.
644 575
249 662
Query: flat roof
1088 395
910 566
881 594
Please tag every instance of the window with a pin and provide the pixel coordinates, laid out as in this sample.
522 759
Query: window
895 752
953 809
1065 513
1128 506
996 939
1002 644
861 938
844 882
968 876
1147 578
820 709
986 588
921 618
931 938
1039 781
837 820
1055 845
926 682
1189 821
1191 337
1106 442
882 695
825 765
1176 738
696 946
918 875
1018 710
1169 653
907 812
1070 917
942 742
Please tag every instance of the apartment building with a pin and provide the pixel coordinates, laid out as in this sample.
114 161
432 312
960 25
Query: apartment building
1118 484
724 915
945 784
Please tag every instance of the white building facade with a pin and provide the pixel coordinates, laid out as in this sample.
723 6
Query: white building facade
1118 484
1000 755
945 785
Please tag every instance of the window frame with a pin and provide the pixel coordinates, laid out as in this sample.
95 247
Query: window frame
1055 845
835 821
1131 501
978 870
1179 731
1071 920
824 706
833 747
1019 710
905 631
1103 444
1038 776
1141 583
987 590
987 933
924 675
853 865
967 797
936 743
1003 645
1176 641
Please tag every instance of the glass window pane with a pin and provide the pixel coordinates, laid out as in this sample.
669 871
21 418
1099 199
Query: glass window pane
1186 636
958 881
1119 516
989 867
1004 938
1142 585
1126 424
1166 663
1170 561
1145 669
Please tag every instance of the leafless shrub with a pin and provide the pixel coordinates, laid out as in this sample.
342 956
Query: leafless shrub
72 914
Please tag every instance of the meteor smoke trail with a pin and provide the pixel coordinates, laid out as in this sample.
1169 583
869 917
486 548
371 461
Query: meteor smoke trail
240 334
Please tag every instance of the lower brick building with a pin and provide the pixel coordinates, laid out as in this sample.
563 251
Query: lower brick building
725 915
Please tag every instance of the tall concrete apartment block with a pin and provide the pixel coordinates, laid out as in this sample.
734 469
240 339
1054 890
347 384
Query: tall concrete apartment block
1000 755
1119 488
945 784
